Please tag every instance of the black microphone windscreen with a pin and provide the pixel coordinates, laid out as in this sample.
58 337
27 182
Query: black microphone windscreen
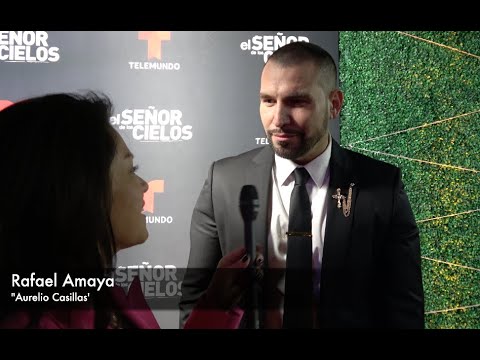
249 202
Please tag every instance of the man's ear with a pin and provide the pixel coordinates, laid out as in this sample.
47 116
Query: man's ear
336 102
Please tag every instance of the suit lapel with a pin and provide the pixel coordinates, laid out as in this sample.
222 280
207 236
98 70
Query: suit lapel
260 177
338 227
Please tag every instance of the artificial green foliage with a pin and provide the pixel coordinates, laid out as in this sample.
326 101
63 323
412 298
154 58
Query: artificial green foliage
415 102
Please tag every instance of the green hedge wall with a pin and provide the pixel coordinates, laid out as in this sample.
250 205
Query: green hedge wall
413 99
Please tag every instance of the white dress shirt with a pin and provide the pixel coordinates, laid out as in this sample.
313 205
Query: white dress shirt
282 186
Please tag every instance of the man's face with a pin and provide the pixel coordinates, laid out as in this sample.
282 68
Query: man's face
295 110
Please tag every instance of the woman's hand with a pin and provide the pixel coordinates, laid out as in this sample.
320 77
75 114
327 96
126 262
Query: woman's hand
231 279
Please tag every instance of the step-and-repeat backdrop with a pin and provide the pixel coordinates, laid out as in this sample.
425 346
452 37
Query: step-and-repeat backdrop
182 100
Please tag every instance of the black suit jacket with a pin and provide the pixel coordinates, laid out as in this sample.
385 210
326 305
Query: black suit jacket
371 266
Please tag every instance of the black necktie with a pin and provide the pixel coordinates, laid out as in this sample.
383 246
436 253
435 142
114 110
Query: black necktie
298 304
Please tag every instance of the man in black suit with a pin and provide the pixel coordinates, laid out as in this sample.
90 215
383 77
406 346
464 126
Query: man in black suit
365 242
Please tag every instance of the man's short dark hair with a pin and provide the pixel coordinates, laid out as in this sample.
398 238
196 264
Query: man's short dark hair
299 52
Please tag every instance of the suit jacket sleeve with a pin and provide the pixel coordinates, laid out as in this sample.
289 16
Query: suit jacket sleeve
205 252
403 278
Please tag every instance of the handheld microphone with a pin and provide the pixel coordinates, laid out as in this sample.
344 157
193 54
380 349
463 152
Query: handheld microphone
249 205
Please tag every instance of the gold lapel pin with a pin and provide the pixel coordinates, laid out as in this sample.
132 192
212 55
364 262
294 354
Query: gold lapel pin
343 201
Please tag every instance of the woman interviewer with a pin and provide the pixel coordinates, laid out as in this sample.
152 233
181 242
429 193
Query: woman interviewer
70 199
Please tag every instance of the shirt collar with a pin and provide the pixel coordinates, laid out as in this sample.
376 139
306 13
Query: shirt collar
317 168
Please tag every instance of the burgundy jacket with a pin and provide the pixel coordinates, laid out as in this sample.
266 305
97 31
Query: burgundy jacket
132 306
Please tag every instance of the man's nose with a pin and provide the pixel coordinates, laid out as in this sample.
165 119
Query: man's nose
281 115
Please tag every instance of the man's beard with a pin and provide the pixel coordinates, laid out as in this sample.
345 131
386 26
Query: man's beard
284 148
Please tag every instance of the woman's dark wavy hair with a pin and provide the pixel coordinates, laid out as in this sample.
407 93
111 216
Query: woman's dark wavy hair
55 187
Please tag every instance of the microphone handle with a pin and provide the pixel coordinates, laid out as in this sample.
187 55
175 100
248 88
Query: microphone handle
252 313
